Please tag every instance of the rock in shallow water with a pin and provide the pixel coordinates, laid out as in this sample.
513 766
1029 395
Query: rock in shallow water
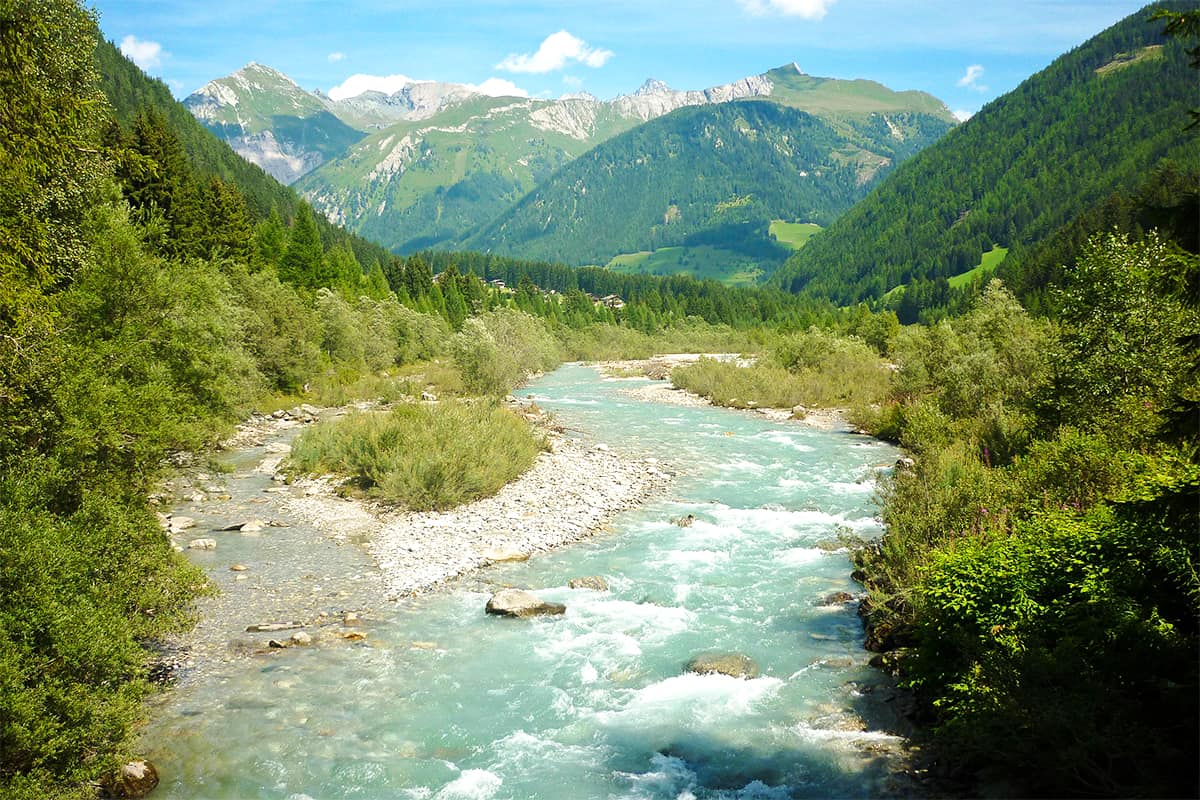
594 582
133 780
519 603
735 665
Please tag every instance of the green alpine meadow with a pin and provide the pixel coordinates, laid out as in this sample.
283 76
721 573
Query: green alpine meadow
395 416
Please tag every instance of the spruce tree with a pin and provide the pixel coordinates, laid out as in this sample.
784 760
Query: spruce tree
303 261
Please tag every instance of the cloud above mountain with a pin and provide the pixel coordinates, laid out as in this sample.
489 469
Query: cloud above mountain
146 54
556 51
970 78
390 84
807 9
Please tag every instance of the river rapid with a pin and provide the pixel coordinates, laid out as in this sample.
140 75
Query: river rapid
430 698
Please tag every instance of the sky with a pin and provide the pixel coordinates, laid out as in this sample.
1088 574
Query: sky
964 52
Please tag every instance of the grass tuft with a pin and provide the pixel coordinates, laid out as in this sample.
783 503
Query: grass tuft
424 457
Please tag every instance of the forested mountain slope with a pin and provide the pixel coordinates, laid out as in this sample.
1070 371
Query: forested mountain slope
433 163
706 175
1099 119
130 92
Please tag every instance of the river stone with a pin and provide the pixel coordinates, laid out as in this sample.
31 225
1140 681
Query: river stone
182 523
837 599
271 627
202 544
519 603
133 780
735 665
302 639
594 582
685 521
498 553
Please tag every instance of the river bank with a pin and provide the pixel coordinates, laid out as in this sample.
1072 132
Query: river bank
572 492
659 369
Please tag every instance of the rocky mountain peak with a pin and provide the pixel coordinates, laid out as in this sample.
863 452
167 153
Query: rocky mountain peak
652 86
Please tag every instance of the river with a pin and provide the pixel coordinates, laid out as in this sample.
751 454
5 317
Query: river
440 701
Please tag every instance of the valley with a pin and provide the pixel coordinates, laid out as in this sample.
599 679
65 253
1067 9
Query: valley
480 438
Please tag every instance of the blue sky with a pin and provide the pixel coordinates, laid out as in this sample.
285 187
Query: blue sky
964 52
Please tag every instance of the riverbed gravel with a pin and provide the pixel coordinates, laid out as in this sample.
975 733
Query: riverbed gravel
572 492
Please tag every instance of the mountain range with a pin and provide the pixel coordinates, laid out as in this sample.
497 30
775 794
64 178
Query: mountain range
440 164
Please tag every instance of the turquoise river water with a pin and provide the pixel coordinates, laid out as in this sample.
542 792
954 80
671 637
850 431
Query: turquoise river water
443 702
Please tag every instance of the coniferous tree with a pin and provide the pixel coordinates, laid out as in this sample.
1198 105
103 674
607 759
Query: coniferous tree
303 261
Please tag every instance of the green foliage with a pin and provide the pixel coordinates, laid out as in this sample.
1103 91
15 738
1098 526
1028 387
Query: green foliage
984 371
1041 553
1013 174
79 593
1124 339
604 342
1027 632
50 159
498 350
727 384
816 368
423 457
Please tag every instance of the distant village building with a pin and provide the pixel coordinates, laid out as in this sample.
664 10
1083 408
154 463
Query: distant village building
612 301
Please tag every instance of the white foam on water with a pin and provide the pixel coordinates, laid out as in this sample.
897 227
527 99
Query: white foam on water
668 777
521 750
606 648
682 592
787 439
696 558
684 700
588 673
707 533
741 465
798 556
773 520
472 784
847 487
807 733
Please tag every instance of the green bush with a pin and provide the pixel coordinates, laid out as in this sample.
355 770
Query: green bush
727 384
422 456
815 368
79 593
498 350
1080 632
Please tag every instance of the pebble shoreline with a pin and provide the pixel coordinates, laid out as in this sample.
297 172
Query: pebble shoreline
572 492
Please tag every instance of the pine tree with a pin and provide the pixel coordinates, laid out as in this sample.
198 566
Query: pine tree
271 238
304 260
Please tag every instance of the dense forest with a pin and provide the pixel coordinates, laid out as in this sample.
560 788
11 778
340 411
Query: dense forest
713 175
1098 120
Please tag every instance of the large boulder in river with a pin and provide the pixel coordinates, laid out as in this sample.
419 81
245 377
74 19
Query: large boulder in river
735 665
519 603
594 582
133 780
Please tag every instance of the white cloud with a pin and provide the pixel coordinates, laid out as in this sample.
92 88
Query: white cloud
336 57
571 80
357 84
390 84
808 9
962 115
970 78
498 87
555 52
146 54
